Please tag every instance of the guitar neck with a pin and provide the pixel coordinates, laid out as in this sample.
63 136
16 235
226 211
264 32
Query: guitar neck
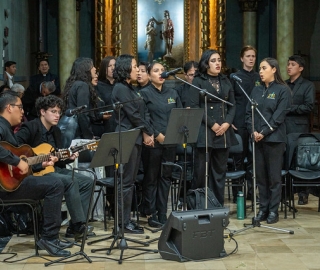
42 158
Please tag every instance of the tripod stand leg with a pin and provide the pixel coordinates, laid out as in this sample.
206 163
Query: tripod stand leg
277 229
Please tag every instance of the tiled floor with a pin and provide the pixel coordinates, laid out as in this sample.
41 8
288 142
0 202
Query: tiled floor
258 248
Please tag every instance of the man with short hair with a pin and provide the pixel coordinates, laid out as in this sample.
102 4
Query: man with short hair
9 71
77 190
303 96
47 188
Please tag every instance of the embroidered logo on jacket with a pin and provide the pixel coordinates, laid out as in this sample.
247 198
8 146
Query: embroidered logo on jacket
171 100
271 96
257 83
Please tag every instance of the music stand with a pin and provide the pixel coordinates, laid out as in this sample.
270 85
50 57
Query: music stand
183 128
128 139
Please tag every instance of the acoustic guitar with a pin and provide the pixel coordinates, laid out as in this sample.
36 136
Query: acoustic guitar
47 148
10 176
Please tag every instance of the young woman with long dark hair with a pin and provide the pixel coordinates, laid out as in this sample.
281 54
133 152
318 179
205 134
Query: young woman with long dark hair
274 101
132 115
160 100
220 117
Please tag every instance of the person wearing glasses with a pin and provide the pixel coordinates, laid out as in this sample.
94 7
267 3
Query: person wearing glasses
190 68
77 191
47 188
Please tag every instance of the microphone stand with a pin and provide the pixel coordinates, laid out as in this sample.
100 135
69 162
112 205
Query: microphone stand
114 106
204 93
119 235
254 222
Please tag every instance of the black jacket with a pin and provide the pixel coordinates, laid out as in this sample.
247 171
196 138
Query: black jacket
31 133
160 104
249 81
303 96
79 95
104 91
133 113
6 134
182 91
36 80
274 103
218 112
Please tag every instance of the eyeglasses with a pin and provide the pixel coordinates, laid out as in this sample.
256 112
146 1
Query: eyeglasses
190 75
20 106
55 112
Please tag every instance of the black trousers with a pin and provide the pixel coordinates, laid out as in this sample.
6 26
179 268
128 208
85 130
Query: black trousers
130 171
244 134
269 161
50 190
156 184
217 167
77 193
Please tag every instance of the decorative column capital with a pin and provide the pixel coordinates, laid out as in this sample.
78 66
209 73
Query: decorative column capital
249 5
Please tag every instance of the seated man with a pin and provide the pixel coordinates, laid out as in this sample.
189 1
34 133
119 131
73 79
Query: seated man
47 188
31 95
77 191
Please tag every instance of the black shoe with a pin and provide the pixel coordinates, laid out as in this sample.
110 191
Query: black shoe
162 218
303 200
273 218
153 221
78 232
262 216
136 224
133 228
53 247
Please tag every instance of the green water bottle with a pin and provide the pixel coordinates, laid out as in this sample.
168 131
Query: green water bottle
240 205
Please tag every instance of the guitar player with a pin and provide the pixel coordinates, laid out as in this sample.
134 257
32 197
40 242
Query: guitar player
77 191
48 188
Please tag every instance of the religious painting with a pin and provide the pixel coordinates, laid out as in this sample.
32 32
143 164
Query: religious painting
160 31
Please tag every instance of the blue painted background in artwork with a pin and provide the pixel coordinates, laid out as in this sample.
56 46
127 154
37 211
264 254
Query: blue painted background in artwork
148 8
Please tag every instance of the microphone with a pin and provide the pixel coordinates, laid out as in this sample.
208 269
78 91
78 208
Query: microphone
166 74
235 77
106 112
71 112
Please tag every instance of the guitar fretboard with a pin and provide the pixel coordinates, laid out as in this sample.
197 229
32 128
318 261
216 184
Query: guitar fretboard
42 158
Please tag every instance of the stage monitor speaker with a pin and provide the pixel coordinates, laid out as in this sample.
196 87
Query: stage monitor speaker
194 235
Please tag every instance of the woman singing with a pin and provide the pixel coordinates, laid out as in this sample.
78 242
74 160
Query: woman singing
160 100
132 115
274 99
220 116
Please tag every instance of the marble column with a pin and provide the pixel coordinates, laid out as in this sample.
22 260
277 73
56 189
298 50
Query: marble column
250 28
285 32
67 38
249 8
